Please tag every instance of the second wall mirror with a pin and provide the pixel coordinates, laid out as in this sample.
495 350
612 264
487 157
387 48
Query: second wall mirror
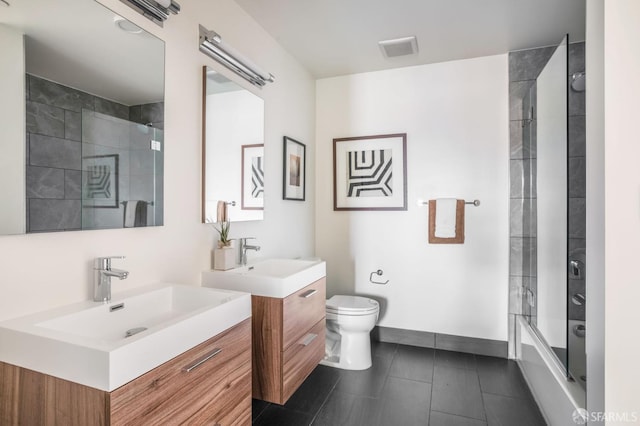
232 150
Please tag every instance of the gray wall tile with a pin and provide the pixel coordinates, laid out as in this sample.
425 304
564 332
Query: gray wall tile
527 64
27 83
515 295
523 256
54 152
577 177
522 181
523 217
45 182
55 94
576 57
45 120
522 139
135 114
577 218
576 312
73 125
72 184
577 136
111 108
577 104
516 141
152 113
517 93
54 215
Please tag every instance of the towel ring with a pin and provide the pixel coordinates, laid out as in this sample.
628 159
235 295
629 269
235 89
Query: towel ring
378 273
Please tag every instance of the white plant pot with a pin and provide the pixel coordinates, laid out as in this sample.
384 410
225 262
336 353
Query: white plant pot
224 258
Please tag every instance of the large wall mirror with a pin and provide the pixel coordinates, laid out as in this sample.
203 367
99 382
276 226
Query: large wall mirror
233 151
82 113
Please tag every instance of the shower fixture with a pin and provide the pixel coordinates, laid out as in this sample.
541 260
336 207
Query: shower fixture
578 81
212 45
156 10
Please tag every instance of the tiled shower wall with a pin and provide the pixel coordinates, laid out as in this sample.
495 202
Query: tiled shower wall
524 68
54 149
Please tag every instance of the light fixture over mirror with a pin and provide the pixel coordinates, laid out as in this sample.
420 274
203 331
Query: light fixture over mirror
212 45
156 10
232 151
81 124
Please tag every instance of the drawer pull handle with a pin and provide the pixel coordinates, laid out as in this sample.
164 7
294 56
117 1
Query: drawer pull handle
201 361
308 294
308 339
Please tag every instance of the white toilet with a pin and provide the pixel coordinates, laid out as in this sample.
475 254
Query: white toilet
350 320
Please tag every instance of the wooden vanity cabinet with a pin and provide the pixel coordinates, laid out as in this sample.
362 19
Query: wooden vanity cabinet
288 340
209 384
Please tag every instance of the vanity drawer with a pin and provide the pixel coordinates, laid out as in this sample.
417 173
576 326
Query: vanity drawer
301 310
301 358
209 384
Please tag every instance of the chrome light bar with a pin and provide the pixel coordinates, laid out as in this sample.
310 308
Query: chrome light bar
212 45
156 10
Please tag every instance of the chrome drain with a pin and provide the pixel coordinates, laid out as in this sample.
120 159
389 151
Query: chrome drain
133 331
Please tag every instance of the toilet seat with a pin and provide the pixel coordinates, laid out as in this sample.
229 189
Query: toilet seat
351 305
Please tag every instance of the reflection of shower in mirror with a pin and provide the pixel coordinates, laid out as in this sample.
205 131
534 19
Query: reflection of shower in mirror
578 81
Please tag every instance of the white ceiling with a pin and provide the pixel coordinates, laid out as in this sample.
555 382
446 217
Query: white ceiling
337 37
76 43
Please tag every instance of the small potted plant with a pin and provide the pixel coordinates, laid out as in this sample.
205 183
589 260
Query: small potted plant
224 256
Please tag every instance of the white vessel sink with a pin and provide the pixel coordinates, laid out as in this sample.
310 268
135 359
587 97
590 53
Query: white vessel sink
269 278
87 342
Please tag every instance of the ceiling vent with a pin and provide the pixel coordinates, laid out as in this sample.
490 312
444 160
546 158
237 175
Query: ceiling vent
399 47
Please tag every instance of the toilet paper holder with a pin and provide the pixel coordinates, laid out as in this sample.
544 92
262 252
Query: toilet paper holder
379 273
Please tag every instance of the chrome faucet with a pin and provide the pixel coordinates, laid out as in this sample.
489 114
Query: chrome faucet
102 277
244 247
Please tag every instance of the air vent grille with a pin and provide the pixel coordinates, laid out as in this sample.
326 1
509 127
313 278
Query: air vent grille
399 47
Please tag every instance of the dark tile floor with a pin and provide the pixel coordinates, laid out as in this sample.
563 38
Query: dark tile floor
409 386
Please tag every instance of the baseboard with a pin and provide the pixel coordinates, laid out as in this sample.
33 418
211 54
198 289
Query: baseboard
448 342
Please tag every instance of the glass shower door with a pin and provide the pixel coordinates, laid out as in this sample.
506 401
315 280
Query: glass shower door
122 169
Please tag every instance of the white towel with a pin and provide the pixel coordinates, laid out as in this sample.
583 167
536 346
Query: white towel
130 213
446 217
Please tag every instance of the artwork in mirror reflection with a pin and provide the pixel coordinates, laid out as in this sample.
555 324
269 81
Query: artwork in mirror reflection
233 150
84 146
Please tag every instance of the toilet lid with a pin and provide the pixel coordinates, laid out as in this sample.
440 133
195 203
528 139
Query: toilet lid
351 304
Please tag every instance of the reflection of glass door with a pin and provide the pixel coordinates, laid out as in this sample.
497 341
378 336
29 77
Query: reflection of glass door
122 169
545 135
552 202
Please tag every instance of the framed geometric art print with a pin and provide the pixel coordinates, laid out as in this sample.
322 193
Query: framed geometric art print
370 172
100 181
252 185
293 170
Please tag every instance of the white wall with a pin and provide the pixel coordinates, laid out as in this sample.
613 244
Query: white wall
12 133
455 115
622 205
45 270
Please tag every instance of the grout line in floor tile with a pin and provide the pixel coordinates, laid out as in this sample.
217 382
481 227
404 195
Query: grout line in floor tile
325 400
459 415
526 398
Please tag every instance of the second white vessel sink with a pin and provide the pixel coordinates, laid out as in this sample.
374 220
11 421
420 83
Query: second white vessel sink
269 278
107 345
